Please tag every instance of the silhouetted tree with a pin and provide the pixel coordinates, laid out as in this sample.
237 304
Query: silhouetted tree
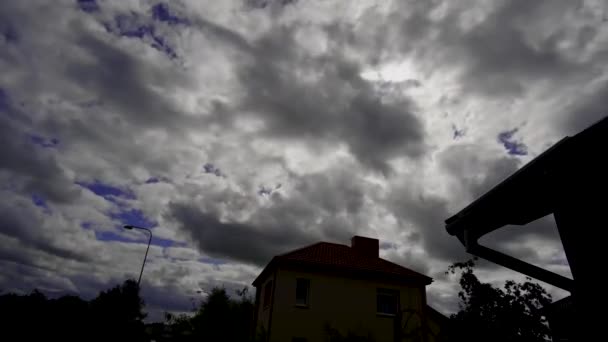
115 314
118 313
488 313
219 318
27 316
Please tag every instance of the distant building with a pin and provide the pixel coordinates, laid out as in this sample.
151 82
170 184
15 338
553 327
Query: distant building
316 292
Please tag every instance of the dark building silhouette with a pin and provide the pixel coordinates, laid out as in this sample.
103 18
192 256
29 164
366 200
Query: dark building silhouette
569 181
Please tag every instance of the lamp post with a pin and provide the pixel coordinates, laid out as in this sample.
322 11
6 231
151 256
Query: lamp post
147 249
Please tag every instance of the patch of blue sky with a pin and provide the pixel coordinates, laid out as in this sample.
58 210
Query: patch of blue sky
161 12
43 142
133 217
512 146
10 34
107 191
154 180
87 225
40 202
121 237
134 26
114 236
5 103
88 6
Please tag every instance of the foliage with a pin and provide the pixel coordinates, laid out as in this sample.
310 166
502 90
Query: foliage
219 318
121 309
115 314
488 313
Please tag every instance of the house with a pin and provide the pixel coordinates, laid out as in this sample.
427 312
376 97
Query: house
326 289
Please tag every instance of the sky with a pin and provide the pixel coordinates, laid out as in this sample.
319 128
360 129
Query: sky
239 130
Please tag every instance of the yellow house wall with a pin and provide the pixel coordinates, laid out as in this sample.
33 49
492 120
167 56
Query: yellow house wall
345 304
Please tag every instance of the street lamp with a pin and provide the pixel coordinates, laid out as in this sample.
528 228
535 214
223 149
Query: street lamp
129 227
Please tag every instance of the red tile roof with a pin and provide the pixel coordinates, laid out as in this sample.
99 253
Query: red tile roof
338 257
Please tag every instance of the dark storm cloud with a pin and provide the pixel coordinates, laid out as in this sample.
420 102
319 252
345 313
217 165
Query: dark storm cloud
476 170
27 166
22 275
236 241
409 259
303 96
300 96
123 83
18 223
427 214
95 71
13 253
326 206
100 93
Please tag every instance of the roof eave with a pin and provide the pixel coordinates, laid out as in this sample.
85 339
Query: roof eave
416 278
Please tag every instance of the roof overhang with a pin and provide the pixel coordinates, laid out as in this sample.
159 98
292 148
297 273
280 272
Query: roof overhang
527 195
278 262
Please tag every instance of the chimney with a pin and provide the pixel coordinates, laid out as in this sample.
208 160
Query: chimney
366 246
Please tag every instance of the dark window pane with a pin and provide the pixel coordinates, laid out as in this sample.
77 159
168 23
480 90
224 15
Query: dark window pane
387 301
302 291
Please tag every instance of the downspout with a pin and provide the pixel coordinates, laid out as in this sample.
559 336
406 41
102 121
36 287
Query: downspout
274 286
425 323
254 329
515 264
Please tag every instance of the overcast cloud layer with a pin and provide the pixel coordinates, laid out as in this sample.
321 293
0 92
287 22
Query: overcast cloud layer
243 129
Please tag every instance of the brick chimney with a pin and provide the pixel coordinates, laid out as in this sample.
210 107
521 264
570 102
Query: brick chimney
366 246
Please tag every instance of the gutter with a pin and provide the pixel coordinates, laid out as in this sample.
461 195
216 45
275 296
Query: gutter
515 264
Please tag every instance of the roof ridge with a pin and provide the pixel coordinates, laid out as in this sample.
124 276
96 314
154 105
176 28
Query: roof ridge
333 254
299 249
311 245
407 268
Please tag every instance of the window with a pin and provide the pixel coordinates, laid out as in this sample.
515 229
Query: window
267 293
387 301
302 292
